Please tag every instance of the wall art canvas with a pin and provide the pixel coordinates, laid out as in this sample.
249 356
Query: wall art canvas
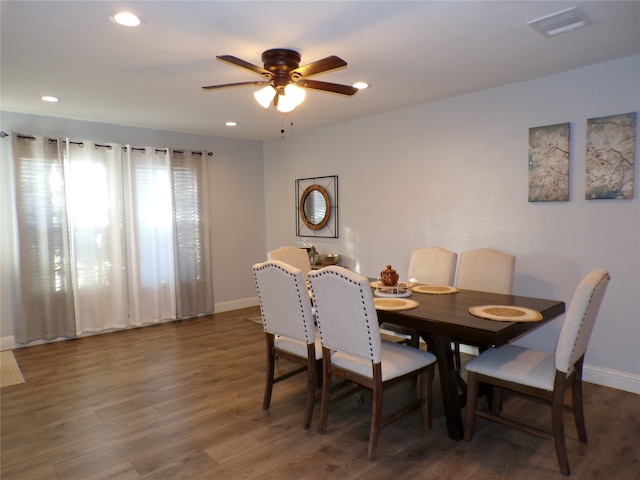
611 143
549 163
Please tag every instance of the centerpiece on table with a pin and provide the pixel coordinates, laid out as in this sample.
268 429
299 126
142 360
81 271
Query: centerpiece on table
388 285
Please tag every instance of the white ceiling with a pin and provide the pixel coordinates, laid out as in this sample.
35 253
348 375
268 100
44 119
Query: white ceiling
410 52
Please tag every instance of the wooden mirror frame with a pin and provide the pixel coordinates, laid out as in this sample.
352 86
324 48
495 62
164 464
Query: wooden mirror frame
303 198
319 189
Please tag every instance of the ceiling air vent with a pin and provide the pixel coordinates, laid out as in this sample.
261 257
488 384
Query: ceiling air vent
559 22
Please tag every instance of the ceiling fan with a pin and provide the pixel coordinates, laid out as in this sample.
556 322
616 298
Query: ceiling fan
283 76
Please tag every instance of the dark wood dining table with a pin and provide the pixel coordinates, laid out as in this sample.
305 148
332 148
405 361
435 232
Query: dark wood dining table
440 319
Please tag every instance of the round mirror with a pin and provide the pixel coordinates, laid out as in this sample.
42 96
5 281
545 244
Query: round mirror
315 207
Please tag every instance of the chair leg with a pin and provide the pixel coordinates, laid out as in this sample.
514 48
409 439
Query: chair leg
326 391
558 430
268 388
472 405
311 385
578 408
376 415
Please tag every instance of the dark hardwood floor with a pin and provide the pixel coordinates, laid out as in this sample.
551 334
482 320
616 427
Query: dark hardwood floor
183 400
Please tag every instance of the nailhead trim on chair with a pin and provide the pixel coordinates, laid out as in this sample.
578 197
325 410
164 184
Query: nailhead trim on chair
322 272
573 349
368 324
310 338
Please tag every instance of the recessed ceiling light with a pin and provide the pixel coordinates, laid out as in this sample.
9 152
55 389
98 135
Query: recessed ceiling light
127 19
48 98
360 85
231 124
559 22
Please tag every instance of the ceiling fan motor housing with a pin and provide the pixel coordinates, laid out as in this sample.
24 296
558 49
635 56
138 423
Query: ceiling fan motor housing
280 62
280 58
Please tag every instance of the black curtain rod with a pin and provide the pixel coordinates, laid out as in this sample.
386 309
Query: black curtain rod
97 145
53 140
143 149
210 154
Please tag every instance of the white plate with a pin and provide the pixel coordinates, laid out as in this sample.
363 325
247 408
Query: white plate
400 289
383 293
400 285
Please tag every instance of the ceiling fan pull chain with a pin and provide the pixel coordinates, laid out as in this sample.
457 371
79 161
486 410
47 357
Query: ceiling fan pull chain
282 130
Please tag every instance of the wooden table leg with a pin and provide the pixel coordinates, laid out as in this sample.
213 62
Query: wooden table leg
449 385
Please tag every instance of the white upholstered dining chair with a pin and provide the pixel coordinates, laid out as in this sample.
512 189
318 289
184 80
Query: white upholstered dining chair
289 327
298 257
428 266
433 266
352 349
484 270
542 375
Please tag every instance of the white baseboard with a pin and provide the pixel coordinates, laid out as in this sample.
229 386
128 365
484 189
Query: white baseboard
7 343
236 304
468 349
611 378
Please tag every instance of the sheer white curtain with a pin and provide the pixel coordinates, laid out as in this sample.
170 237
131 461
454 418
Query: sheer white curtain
94 194
109 237
150 234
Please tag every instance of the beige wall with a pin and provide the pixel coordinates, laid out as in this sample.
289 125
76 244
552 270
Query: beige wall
454 173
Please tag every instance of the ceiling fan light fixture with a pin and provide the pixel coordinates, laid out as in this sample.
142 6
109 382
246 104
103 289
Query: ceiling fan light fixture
290 99
265 95
294 92
285 104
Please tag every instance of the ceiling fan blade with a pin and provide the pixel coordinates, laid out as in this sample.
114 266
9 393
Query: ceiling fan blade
238 62
240 84
320 66
327 87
